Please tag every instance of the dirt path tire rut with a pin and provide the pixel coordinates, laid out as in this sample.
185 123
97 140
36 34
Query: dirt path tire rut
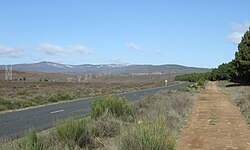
215 124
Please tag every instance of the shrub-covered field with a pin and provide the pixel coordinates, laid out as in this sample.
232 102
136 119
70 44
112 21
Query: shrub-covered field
16 95
152 123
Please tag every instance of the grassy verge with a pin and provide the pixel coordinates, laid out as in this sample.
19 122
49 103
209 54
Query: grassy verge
16 95
175 106
147 136
240 96
34 100
115 124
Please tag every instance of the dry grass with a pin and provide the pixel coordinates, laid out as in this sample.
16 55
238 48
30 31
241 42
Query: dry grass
109 131
35 91
240 96
15 95
147 136
173 105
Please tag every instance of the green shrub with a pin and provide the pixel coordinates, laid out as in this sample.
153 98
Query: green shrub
118 107
60 97
107 127
16 104
6 104
39 99
53 98
201 82
30 141
147 137
74 132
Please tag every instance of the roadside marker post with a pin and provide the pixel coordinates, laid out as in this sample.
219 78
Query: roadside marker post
166 82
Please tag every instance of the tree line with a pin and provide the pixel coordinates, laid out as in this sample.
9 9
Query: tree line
237 70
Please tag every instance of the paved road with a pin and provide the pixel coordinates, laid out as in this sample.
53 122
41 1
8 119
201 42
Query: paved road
15 124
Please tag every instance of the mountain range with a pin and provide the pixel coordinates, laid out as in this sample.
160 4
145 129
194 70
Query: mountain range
114 69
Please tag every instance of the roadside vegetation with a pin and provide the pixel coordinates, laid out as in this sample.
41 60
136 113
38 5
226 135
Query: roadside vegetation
240 96
117 107
16 95
147 136
34 100
151 123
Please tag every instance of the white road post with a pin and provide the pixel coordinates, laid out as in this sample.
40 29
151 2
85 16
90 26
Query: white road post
166 82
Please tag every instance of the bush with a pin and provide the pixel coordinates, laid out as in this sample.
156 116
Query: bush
25 103
74 132
107 127
38 99
53 98
65 96
30 141
60 97
147 137
8 104
5 104
118 107
201 82
16 104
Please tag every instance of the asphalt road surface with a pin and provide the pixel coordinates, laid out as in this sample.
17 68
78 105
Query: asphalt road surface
15 124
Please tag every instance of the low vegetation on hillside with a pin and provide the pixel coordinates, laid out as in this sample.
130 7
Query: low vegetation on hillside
16 95
152 123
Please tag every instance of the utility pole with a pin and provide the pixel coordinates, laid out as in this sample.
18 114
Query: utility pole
8 73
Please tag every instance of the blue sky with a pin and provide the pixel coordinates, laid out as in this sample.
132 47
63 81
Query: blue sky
192 33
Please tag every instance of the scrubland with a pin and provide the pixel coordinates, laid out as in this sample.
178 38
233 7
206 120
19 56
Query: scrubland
29 93
154 122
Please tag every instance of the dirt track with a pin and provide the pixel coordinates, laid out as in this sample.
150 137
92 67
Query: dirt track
215 124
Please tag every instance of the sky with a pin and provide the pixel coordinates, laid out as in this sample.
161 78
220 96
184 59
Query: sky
191 33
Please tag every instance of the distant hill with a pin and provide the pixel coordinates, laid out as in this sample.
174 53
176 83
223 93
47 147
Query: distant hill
106 69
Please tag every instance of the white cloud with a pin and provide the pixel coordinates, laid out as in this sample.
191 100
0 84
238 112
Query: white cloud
156 52
80 49
235 37
238 32
6 51
51 49
241 27
134 47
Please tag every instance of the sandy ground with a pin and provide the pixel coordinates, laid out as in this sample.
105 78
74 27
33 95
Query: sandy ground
215 124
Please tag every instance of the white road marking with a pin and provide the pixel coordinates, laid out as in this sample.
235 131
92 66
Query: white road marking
53 112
